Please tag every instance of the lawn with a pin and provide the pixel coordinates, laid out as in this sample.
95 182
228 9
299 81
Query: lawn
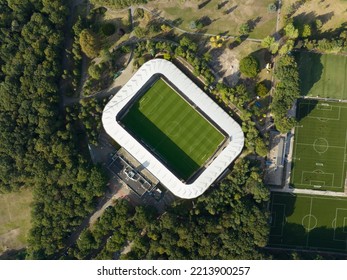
323 75
14 219
219 17
308 222
332 13
180 136
319 154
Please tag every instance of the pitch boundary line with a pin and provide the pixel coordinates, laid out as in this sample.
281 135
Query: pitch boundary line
343 165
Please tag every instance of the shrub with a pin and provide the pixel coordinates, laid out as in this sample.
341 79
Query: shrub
261 89
249 66
272 8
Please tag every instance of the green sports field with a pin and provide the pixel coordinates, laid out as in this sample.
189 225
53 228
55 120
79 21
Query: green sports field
180 136
323 75
308 222
320 146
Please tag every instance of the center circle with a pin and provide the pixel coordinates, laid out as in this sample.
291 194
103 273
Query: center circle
309 222
173 129
321 145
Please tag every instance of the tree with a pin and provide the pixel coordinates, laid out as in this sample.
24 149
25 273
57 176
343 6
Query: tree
249 66
89 44
291 31
318 24
270 43
261 89
95 71
287 47
244 29
272 8
306 31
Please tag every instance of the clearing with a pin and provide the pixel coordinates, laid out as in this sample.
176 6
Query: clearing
14 219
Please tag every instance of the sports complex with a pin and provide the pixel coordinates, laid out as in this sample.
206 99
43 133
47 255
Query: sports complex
311 213
308 222
173 129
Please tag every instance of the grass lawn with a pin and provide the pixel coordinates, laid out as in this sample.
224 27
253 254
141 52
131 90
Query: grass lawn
226 19
323 75
14 219
332 13
180 136
320 154
308 222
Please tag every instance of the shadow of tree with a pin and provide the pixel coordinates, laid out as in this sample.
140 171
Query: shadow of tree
230 10
221 5
252 23
310 106
203 4
310 70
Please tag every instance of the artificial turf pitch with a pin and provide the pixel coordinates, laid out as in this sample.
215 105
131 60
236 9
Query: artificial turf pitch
320 146
322 75
179 135
308 222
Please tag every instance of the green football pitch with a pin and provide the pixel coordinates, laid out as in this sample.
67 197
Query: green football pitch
323 75
320 146
308 222
179 135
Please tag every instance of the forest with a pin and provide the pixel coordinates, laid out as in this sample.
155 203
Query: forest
230 221
38 147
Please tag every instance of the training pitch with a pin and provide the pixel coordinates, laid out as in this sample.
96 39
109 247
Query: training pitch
308 222
172 129
322 75
320 146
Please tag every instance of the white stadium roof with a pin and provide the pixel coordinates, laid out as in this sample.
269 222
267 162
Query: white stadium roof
201 100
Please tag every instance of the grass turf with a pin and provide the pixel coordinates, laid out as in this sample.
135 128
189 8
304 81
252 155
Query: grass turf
173 130
323 75
319 156
14 219
308 222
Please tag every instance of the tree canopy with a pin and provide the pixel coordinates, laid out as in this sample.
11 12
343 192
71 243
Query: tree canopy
249 66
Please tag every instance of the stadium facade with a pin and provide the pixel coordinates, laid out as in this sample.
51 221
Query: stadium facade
222 159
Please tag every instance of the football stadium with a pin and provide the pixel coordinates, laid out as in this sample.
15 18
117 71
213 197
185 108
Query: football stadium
173 129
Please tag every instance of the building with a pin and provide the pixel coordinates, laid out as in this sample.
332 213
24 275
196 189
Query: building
221 160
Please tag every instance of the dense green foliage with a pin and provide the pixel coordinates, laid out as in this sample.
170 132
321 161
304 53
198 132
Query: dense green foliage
249 66
37 147
89 43
230 221
287 90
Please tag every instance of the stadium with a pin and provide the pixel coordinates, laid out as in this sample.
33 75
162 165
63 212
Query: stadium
173 129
